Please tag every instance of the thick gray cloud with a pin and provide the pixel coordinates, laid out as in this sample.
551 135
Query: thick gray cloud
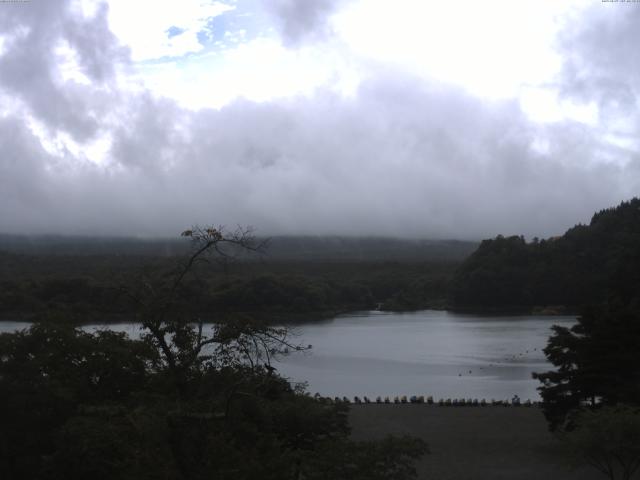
601 66
29 68
402 156
601 59
302 20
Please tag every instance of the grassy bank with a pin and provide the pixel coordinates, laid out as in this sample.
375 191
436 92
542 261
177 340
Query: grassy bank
491 443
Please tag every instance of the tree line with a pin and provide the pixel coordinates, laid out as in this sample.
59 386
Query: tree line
584 266
85 289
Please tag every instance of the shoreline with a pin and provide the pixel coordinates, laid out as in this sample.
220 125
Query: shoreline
287 318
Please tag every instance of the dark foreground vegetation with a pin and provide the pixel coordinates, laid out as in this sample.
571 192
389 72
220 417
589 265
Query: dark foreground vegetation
591 399
181 403
75 405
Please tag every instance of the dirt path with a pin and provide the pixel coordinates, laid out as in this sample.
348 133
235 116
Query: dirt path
473 443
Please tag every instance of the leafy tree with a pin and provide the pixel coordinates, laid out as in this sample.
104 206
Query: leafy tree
584 266
597 363
182 403
608 439
47 374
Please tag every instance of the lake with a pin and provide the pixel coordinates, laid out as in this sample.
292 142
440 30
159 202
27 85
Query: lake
429 352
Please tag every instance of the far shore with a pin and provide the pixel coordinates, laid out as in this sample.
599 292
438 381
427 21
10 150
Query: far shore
289 318
548 310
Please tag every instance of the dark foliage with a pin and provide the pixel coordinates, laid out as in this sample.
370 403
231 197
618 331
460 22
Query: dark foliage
75 405
48 374
608 439
182 403
597 363
584 266
85 289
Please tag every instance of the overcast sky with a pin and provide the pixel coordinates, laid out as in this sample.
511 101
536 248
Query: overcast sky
410 118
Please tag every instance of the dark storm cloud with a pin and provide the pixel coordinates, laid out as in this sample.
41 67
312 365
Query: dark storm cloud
401 156
302 20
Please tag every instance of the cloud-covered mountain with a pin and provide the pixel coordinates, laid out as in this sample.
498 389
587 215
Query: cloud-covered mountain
87 146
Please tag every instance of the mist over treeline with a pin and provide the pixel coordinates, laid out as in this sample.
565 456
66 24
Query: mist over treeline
275 248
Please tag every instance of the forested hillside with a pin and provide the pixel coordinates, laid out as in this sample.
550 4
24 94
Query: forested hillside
357 275
584 266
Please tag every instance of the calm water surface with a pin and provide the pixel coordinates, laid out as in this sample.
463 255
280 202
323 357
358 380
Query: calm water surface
423 353
416 353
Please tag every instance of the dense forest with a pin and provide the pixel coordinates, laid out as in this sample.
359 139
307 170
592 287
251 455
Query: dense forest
303 277
584 266
293 277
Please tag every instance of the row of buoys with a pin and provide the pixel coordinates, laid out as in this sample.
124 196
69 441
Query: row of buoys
449 402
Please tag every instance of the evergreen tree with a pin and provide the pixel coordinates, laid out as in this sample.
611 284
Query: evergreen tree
597 363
